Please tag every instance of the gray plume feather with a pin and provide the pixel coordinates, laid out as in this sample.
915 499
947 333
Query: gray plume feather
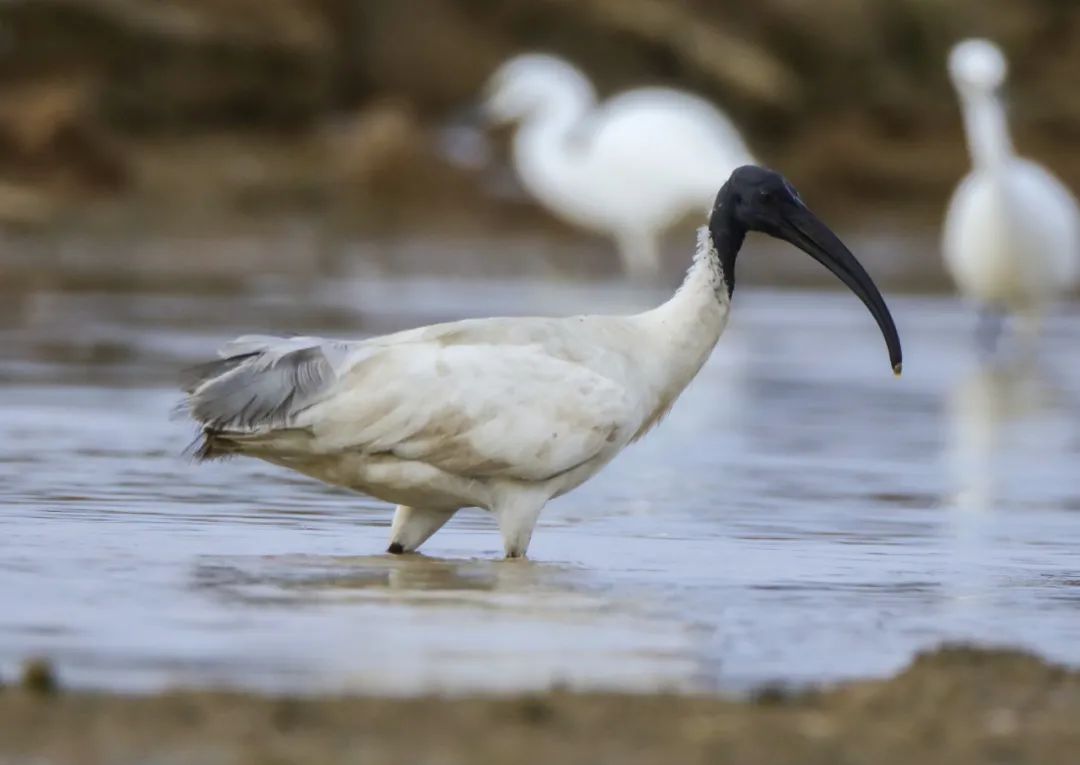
260 389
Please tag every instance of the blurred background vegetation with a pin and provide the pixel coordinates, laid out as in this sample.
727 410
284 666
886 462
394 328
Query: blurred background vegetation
116 113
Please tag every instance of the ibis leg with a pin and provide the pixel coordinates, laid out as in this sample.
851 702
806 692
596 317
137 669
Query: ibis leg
413 525
988 332
517 518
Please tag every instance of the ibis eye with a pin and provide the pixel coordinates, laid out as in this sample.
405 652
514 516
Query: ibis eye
765 195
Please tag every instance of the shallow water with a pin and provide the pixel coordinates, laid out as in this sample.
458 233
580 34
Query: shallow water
800 516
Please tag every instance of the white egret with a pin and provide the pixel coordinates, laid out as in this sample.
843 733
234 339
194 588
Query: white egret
628 168
502 413
1012 230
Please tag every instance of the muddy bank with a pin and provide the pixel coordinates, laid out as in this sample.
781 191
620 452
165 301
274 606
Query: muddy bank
254 106
955 705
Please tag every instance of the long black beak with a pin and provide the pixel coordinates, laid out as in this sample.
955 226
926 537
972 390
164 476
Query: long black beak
804 230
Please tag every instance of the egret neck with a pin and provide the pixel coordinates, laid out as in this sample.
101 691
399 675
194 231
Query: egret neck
987 130
543 146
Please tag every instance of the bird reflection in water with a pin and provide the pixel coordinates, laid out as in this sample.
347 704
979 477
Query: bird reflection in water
1001 418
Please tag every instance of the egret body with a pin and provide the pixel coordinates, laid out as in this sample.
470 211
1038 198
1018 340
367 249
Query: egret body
1012 230
500 413
628 168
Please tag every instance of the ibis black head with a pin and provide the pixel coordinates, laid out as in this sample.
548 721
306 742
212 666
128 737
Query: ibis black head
757 199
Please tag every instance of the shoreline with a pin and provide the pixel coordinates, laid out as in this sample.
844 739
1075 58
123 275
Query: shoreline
955 704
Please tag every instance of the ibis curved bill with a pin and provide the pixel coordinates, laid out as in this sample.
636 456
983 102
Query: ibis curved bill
501 413
628 168
1011 238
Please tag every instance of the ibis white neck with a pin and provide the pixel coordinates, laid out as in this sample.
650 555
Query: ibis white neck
987 130
685 329
705 286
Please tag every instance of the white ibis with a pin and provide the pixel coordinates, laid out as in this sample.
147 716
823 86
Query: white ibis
1012 230
503 413
628 168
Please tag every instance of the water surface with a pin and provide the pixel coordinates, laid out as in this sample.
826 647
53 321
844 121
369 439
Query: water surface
800 516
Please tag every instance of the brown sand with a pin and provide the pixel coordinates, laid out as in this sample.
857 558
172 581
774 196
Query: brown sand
956 706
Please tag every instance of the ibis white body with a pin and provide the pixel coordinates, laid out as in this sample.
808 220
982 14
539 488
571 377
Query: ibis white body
628 168
502 414
1012 230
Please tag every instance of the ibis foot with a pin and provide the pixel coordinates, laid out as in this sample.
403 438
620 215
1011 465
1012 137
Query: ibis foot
413 525
516 514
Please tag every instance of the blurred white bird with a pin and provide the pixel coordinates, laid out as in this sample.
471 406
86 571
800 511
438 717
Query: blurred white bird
628 168
1012 230
506 413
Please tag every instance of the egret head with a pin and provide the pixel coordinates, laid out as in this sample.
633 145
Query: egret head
757 199
527 84
977 66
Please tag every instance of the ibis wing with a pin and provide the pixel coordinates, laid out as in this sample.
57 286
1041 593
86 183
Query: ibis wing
513 411
452 396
